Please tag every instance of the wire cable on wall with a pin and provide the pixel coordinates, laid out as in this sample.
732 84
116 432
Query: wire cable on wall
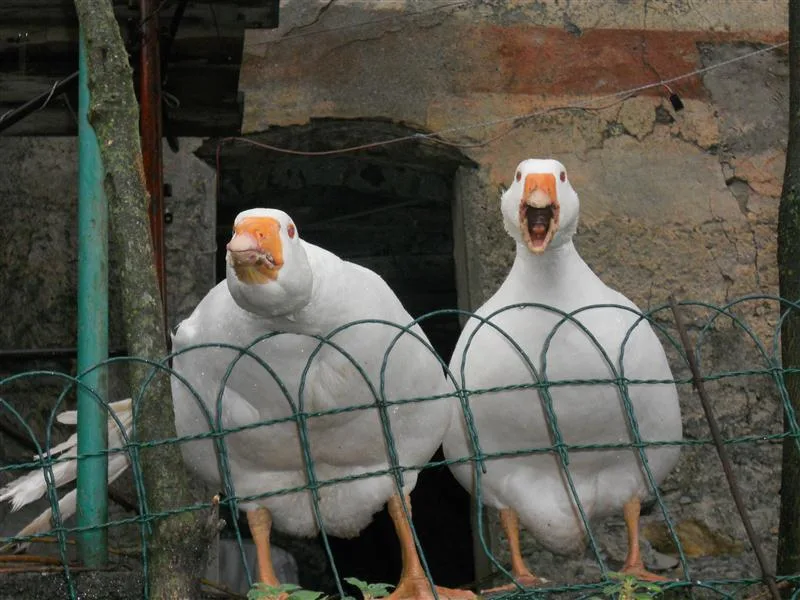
516 120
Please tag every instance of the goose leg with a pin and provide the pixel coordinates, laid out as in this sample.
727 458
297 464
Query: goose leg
260 523
522 574
413 584
633 562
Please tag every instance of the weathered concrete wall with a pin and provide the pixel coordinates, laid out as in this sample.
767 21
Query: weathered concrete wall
38 196
681 203
190 239
38 281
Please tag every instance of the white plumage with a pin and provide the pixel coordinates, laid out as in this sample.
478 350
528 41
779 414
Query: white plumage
29 488
278 283
333 292
540 212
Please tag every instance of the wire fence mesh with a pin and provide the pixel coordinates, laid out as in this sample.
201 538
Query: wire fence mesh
732 345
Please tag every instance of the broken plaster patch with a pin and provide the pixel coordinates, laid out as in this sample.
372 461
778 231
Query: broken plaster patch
763 172
697 123
638 116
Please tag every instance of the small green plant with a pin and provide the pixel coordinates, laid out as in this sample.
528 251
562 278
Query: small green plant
628 587
370 591
286 591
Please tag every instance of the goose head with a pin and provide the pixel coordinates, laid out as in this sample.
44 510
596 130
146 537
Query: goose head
540 208
267 267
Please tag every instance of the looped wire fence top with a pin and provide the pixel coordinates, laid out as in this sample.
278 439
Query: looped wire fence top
736 345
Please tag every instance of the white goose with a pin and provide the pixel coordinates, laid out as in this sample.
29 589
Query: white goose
540 212
277 282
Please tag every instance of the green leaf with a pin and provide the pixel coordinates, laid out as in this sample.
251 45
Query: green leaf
305 595
262 591
361 585
370 590
379 590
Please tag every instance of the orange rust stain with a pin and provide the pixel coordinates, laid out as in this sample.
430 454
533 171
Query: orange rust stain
547 61
540 181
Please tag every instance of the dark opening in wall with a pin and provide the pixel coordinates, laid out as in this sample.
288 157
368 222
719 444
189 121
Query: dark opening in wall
388 209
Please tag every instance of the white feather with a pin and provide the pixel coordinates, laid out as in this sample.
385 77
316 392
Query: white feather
32 486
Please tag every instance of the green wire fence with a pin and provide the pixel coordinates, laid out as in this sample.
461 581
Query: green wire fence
754 320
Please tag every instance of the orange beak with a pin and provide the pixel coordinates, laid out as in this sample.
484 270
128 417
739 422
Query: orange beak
255 252
542 182
539 211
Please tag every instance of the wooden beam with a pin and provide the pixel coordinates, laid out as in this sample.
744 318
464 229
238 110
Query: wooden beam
56 120
31 19
30 15
65 85
203 85
206 121
189 121
200 35
17 89
38 46
33 5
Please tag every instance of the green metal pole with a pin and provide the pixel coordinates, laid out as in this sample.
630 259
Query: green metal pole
92 501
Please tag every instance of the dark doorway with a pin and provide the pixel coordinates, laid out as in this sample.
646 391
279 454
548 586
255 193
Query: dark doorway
388 210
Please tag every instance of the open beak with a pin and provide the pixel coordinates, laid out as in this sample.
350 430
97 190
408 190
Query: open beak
255 252
244 250
539 211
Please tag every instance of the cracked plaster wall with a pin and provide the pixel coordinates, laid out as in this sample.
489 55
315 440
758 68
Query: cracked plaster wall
681 203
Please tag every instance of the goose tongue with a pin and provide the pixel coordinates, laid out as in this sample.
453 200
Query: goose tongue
538 222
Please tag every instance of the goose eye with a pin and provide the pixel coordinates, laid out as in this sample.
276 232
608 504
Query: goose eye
291 230
519 175
563 175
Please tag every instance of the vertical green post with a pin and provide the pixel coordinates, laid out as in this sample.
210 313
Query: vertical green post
92 500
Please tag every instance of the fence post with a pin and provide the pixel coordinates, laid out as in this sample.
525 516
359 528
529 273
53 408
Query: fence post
92 500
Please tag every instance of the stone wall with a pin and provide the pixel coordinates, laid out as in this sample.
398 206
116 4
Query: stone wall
681 203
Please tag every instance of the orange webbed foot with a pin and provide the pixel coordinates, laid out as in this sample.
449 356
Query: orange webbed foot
527 579
418 588
638 571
